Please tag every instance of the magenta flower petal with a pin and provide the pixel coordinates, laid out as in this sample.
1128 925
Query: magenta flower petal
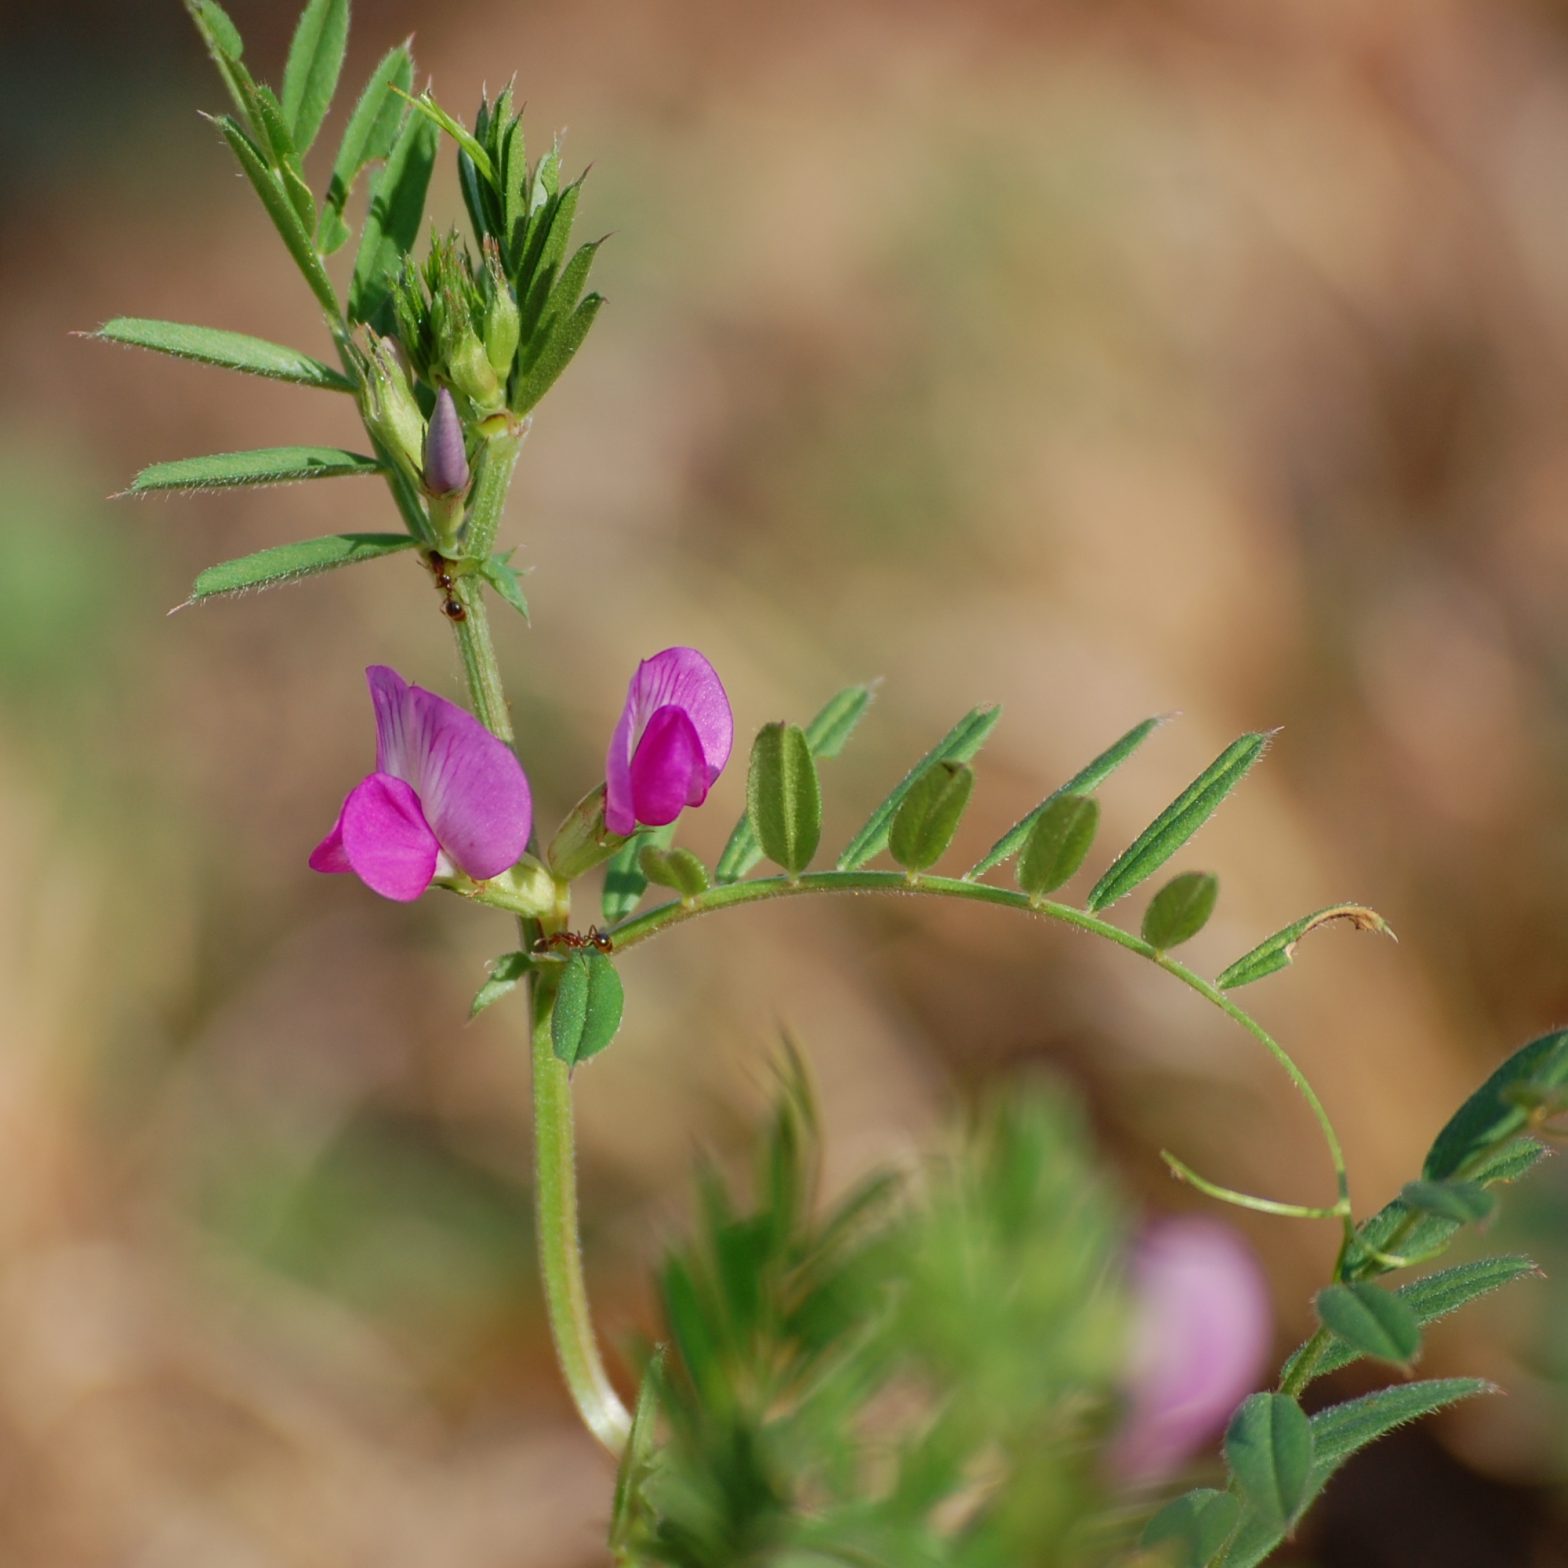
668 772
1203 1331
470 785
678 679
382 836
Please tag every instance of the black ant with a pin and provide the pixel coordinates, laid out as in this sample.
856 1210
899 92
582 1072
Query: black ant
574 941
451 607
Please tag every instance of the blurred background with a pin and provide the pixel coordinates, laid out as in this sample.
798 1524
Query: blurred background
1098 359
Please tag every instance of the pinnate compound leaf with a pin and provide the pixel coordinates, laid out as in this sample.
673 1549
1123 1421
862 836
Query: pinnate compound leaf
505 973
1463 1202
286 563
311 76
1491 1114
783 796
1081 783
926 820
588 1007
275 197
826 735
1430 1299
1372 1321
397 205
1338 1434
674 868
1276 952
960 744
227 350
1057 843
369 136
624 882
275 465
1194 1526
1180 910
1179 821
1269 1449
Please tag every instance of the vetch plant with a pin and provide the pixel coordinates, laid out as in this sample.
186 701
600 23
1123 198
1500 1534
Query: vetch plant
973 1365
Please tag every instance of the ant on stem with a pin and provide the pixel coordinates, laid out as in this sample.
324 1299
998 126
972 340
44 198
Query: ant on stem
575 941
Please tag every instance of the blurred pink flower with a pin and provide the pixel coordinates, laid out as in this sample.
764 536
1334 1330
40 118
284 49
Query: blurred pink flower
1202 1332
671 742
446 794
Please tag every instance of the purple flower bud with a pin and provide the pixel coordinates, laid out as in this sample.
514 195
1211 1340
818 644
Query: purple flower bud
446 795
1202 1331
446 463
671 743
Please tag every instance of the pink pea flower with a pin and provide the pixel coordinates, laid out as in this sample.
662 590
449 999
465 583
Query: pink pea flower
671 743
446 795
1201 1334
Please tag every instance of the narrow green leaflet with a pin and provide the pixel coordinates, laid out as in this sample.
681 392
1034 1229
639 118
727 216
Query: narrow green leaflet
1081 783
826 735
960 744
426 105
227 350
1372 1321
1269 1449
280 208
1490 1114
1180 910
1195 1525
1344 1430
278 144
1276 952
311 76
624 882
1179 821
1463 1202
225 45
783 796
1338 1434
369 136
1058 843
276 465
286 563
587 1008
397 205
563 342
505 973
499 572
674 868
1432 1298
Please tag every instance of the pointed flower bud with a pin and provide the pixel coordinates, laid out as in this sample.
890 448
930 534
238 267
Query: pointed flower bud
503 323
390 409
446 463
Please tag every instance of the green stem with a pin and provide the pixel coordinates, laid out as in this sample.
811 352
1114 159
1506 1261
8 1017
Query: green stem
725 896
492 479
560 1257
555 1158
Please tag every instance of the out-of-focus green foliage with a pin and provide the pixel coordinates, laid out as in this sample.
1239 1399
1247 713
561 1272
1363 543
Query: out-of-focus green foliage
912 1376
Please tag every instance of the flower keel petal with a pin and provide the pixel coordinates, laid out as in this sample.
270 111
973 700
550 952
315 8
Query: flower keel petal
668 773
385 839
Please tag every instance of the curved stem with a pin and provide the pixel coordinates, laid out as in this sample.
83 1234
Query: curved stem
555 1155
560 1257
642 927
